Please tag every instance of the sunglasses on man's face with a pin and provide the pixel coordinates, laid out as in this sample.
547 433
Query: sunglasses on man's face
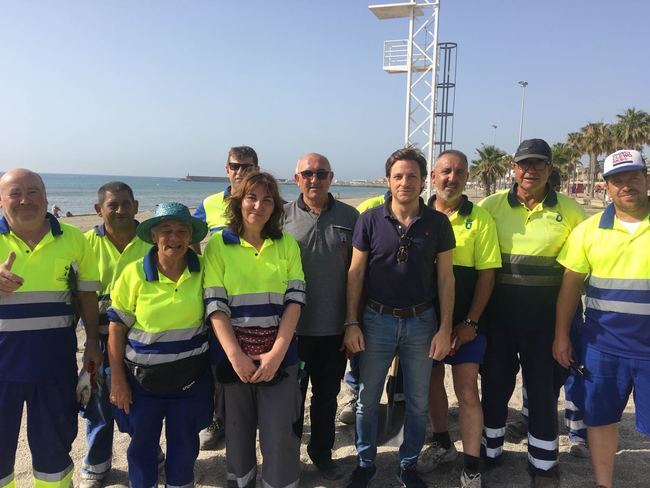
244 167
403 249
321 175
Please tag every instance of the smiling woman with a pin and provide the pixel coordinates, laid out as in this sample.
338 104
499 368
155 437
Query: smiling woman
254 291
158 348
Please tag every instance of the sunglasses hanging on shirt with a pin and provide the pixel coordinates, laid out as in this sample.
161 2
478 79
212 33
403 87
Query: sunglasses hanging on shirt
403 249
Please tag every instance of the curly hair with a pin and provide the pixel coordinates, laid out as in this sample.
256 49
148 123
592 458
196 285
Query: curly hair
273 227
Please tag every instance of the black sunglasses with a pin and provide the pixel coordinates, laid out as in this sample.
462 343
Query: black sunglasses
234 167
308 174
403 249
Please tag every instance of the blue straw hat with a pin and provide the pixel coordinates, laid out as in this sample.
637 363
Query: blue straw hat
172 211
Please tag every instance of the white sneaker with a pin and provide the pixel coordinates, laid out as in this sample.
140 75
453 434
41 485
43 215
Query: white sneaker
91 483
470 480
435 455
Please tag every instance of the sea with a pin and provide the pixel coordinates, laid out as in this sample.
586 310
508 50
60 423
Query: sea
78 193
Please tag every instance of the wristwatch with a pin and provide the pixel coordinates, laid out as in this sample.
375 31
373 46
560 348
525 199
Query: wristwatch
471 323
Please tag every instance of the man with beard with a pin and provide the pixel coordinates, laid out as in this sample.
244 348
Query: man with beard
610 252
475 258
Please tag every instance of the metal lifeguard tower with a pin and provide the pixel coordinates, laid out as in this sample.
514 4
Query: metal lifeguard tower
429 102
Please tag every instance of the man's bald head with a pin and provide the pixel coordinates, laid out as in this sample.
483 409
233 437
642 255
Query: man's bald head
23 199
21 174
308 158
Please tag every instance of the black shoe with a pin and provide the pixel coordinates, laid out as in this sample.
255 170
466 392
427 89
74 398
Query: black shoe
409 478
329 470
361 477
545 481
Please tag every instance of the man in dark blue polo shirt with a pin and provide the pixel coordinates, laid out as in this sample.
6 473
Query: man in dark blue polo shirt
402 257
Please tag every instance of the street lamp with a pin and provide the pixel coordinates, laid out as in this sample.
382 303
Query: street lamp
523 85
494 141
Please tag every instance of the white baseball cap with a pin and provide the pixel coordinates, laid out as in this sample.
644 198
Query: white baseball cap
623 160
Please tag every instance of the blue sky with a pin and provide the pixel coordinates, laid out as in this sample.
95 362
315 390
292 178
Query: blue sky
165 87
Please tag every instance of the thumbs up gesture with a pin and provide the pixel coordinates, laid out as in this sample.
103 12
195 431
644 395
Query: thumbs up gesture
9 282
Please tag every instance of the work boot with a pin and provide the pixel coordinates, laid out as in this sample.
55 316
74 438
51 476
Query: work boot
545 482
579 450
516 431
348 415
210 436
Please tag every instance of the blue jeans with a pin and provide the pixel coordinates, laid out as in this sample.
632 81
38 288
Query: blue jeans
385 336
99 425
352 377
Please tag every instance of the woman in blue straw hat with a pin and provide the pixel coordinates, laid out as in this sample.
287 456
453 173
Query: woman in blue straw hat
158 349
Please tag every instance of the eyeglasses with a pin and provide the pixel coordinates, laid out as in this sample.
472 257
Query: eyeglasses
403 249
308 174
536 164
243 167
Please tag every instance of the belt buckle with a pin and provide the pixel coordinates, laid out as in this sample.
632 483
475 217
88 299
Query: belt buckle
397 312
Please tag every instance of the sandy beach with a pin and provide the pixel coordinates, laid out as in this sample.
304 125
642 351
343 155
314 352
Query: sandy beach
633 453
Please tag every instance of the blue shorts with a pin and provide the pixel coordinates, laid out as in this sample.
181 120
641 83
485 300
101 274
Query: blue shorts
470 352
607 386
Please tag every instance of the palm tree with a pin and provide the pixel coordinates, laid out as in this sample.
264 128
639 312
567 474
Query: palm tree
632 131
566 159
594 139
492 164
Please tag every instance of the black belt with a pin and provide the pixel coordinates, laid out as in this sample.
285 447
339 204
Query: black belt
413 311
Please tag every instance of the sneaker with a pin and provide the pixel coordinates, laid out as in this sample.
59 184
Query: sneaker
361 477
435 455
545 482
210 436
91 483
470 480
348 415
516 431
579 450
409 478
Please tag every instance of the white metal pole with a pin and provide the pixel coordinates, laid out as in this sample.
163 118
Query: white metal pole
523 85
409 76
434 92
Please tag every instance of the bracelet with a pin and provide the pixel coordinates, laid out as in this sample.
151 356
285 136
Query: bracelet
349 323
471 323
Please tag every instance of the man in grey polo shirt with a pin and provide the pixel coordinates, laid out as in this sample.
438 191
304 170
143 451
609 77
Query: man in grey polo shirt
323 228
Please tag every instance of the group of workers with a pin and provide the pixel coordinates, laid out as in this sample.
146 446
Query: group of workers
227 339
